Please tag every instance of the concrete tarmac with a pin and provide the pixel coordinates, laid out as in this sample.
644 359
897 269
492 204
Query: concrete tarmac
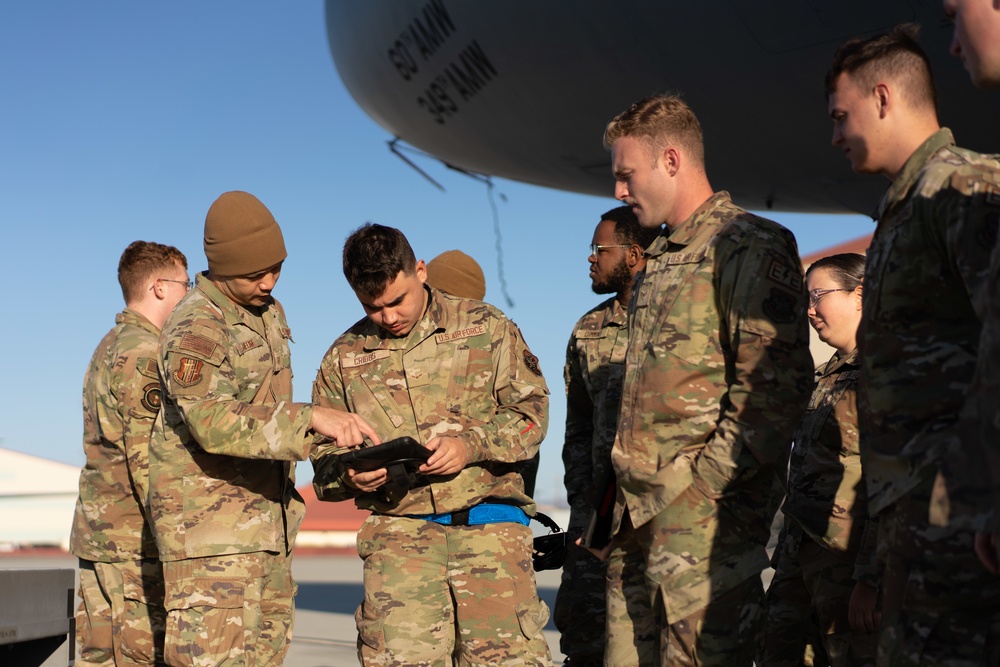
330 589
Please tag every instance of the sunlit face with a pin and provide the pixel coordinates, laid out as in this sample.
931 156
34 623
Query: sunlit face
836 315
976 39
252 290
608 266
642 181
856 129
401 305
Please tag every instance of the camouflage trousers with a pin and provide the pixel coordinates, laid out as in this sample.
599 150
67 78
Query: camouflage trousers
940 606
580 609
229 611
120 618
448 595
721 619
807 606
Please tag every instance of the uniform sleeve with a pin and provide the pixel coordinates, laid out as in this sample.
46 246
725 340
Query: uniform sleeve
970 494
201 381
138 405
577 452
328 391
516 426
866 566
763 297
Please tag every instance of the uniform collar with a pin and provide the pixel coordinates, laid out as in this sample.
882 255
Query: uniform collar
914 165
135 318
838 362
230 311
693 227
615 314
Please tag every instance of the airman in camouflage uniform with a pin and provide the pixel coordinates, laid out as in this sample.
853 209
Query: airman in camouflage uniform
824 588
717 375
120 618
222 477
971 495
595 366
924 299
457 376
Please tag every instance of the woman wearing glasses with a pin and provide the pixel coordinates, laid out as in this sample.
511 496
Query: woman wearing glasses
822 598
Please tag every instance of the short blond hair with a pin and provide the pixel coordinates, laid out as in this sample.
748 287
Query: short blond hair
660 121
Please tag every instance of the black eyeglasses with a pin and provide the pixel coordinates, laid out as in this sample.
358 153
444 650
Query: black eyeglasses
816 294
595 249
188 284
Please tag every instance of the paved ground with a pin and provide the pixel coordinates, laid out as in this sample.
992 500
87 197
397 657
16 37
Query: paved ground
329 592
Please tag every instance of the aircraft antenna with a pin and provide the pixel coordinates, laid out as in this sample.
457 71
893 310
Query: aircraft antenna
397 148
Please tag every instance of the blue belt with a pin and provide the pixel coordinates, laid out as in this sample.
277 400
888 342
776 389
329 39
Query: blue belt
479 515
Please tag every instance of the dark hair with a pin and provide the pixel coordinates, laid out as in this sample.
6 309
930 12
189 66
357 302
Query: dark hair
627 227
374 255
896 55
847 269
138 263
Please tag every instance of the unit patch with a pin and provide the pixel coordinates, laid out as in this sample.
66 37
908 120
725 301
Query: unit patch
780 273
468 332
531 361
188 372
151 396
779 306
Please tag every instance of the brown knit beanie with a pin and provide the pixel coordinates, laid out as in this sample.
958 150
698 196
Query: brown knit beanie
241 236
457 274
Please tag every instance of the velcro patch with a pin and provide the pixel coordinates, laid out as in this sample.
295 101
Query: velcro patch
247 345
198 344
779 306
151 396
585 334
353 360
531 361
780 273
188 372
468 332
149 367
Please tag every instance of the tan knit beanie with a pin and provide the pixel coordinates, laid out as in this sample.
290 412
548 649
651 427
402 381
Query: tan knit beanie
241 236
457 274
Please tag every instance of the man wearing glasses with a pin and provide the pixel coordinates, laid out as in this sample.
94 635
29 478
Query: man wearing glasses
595 366
120 619
223 503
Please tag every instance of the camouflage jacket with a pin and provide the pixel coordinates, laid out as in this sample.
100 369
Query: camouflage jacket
121 396
464 370
220 473
924 298
826 494
595 366
970 493
717 376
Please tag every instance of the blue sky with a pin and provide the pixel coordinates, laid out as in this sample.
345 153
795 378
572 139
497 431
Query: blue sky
125 120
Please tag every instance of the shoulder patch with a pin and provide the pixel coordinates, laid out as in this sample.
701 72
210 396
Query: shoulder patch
188 372
151 397
353 359
531 361
198 344
783 275
147 366
468 332
779 306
